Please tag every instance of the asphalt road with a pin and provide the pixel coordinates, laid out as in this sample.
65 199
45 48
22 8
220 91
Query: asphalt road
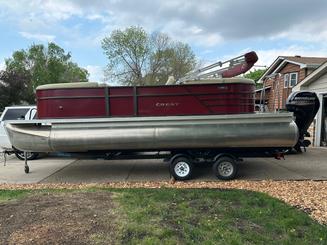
309 165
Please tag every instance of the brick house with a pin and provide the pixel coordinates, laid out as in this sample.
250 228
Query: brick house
279 79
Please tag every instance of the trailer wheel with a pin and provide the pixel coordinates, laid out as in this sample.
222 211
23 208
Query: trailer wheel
181 168
225 168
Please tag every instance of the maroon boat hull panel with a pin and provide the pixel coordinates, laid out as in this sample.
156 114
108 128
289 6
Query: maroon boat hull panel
195 99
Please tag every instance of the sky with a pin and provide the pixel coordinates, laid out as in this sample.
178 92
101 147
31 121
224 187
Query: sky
215 29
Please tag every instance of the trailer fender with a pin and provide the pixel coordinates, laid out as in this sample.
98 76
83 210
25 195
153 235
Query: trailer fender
225 155
179 155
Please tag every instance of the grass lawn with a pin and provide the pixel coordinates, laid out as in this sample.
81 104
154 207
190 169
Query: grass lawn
161 216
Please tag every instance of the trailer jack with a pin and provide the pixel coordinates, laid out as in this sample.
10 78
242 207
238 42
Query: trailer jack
10 152
26 168
4 155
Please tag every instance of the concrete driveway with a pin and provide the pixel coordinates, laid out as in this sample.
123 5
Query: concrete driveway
40 169
309 165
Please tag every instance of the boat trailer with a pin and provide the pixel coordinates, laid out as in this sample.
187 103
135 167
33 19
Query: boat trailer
224 162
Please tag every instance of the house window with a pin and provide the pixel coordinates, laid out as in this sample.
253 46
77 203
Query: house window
286 80
293 79
290 80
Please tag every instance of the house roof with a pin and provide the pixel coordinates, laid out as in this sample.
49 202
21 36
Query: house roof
306 60
303 62
320 71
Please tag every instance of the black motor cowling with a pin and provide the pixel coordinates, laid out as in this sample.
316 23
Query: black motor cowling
305 106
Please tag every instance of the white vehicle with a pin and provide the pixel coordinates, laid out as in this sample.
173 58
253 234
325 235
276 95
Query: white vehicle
14 113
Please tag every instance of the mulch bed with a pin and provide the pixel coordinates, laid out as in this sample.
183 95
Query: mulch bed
308 196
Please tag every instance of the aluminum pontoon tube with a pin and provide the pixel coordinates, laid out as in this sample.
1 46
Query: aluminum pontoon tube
154 133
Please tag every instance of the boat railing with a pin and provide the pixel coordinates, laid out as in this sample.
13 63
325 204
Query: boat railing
220 69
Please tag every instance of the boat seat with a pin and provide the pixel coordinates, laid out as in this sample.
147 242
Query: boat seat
72 85
221 81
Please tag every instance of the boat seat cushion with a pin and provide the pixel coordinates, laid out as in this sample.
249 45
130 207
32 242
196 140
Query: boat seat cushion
72 85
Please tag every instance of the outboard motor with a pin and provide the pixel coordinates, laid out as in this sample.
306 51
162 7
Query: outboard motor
305 106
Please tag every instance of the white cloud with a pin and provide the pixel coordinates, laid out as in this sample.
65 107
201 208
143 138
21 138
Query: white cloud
206 24
2 66
266 57
60 10
310 31
44 9
196 30
96 17
191 34
37 36
96 73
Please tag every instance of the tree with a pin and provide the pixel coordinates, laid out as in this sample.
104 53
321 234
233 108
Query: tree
182 59
13 87
38 65
255 75
47 65
137 58
127 52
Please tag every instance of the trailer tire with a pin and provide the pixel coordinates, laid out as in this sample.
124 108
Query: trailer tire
225 168
181 168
